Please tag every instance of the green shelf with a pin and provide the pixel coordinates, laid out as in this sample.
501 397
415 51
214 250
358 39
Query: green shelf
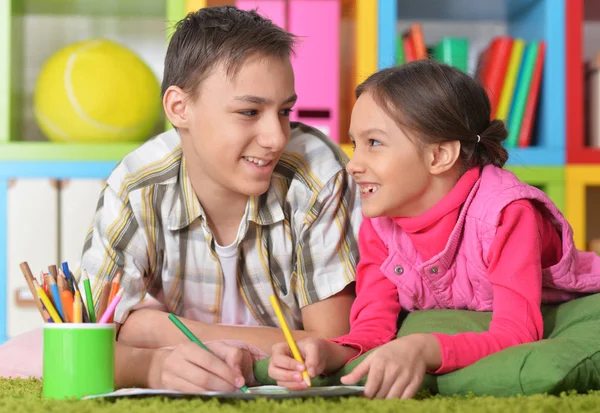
551 179
97 8
48 151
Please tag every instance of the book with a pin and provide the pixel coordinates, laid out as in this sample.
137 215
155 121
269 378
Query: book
493 70
520 96
453 51
532 98
270 392
510 80
415 33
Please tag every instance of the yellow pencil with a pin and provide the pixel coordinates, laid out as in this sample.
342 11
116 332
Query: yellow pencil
288 337
51 310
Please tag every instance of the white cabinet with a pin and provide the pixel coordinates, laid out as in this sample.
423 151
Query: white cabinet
47 224
32 236
78 200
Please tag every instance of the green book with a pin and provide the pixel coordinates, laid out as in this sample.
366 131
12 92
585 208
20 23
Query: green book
453 51
400 59
521 93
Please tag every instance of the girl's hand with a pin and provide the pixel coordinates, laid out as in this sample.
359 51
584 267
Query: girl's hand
288 372
397 368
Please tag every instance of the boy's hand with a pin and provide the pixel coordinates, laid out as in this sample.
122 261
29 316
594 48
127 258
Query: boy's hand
396 369
189 368
288 372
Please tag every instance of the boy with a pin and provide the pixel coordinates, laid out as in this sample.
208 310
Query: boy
231 206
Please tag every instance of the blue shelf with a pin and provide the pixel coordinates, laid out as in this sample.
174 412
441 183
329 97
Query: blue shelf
386 33
527 19
56 169
536 156
3 260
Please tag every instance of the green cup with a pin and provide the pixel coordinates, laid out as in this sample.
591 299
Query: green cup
79 360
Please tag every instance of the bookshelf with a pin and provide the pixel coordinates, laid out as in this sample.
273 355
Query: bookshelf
40 181
480 22
583 160
582 37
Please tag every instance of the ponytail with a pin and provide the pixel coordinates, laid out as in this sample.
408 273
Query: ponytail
489 149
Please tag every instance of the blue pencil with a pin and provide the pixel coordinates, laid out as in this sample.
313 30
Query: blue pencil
65 268
55 294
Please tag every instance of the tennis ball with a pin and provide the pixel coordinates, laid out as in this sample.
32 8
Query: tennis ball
96 91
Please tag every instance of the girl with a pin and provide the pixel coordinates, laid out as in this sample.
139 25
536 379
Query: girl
445 227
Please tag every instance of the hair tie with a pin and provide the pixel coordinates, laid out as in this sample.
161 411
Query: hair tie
478 138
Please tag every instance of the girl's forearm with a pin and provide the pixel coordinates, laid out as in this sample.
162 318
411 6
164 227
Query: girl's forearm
338 356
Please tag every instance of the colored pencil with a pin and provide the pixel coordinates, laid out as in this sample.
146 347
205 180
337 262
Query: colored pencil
88 296
116 283
103 301
107 316
47 303
289 338
56 299
67 302
193 338
85 316
66 298
77 304
67 272
54 271
29 278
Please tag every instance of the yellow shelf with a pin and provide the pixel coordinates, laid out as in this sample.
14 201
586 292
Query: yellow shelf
577 179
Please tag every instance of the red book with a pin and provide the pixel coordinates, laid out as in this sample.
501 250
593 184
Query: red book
494 72
409 48
416 34
532 98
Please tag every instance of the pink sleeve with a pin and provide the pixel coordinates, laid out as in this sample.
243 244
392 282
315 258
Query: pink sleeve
375 310
515 272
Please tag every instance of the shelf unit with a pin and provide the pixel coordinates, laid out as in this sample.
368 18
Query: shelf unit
25 155
481 21
579 14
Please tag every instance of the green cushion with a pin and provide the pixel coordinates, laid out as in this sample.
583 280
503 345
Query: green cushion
567 359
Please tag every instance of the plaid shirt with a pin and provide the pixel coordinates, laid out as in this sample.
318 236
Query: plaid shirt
298 240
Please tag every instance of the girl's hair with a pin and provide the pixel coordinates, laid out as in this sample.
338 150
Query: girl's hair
439 103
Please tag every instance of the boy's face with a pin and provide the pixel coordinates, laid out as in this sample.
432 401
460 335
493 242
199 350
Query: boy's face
236 128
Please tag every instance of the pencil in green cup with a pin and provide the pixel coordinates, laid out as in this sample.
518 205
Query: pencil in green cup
88 296
193 338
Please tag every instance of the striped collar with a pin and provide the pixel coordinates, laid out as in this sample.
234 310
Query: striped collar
265 209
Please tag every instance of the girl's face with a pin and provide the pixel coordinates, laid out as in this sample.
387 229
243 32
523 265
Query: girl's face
393 173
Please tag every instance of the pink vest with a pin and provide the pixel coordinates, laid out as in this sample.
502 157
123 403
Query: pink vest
457 277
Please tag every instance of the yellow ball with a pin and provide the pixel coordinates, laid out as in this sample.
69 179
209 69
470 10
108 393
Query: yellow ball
96 91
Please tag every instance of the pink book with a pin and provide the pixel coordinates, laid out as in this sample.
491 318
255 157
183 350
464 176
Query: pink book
316 64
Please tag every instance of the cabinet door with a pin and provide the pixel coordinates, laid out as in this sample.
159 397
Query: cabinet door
78 200
32 236
273 10
316 64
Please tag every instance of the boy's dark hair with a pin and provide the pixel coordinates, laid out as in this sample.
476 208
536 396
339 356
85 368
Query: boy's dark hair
439 103
215 36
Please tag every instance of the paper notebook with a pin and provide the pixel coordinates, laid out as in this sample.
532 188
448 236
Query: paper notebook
270 392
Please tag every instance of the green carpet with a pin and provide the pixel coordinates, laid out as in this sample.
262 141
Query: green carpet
18 396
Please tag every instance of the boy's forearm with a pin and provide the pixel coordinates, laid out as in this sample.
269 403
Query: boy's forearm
152 329
136 367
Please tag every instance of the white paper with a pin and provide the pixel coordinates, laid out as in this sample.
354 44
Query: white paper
272 392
